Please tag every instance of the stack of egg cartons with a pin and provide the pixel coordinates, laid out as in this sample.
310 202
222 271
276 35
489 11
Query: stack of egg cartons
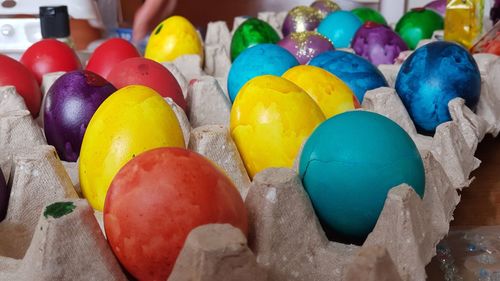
50 234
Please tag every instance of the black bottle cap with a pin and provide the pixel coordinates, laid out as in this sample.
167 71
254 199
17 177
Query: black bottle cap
54 21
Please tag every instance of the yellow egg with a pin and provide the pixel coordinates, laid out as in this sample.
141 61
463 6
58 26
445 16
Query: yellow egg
172 38
331 94
130 121
270 119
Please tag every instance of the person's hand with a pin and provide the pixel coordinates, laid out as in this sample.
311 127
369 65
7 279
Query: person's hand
149 15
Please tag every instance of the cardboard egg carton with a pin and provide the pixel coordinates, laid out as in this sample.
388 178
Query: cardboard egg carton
286 240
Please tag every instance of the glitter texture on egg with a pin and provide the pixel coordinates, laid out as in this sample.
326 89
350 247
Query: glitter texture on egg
301 18
306 45
325 6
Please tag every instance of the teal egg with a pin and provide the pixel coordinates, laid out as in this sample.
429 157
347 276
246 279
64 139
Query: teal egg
350 163
340 27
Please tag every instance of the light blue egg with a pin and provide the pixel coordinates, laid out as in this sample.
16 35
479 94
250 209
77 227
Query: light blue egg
357 72
431 77
350 163
259 60
340 27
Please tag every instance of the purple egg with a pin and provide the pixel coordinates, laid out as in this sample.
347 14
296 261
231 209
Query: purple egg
301 18
306 45
4 196
325 6
378 43
68 108
438 6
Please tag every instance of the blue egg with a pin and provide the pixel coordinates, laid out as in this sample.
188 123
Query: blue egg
350 163
259 60
432 76
340 27
357 72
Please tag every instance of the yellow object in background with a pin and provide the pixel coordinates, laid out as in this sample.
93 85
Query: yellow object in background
132 120
270 119
172 38
463 22
331 94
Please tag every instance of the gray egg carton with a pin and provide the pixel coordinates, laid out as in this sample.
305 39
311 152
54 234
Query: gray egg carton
286 240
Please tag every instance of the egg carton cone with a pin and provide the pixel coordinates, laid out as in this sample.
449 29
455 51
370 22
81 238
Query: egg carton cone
216 252
189 66
47 81
218 34
178 76
67 245
215 143
217 60
208 103
10 100
275 19
182 118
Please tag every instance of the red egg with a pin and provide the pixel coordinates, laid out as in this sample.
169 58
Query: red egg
13 73
146 72
156 199
110 53
50 55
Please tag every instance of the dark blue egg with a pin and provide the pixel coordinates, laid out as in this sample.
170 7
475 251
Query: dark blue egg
432 76
357 72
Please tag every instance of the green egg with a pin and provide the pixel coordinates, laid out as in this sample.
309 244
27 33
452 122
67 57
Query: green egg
367 14
250 33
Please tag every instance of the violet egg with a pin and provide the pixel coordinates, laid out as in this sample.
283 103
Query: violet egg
438 6
68 108
306 45
378 43
325 6
301 18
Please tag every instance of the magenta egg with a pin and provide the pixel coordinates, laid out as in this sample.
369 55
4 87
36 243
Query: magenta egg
301 18
378 43
68 108
306 45
325 6
438 5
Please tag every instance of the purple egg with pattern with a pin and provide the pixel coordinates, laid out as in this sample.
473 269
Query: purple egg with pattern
306 45
438 6
378 43
70 104
301 18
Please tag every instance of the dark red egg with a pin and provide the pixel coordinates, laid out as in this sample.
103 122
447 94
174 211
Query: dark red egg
50 55
110 53
13 73
146 72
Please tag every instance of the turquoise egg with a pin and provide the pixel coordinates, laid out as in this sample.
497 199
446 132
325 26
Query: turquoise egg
262 59
350 163
340 27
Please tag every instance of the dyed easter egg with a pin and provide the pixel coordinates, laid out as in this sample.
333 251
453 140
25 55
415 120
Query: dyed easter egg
132 120
270 119
172 38
301 18
259 60
438 6
110 53
331 94
349 164
156 199
432 76
306 45
418 24
366 14
14 73
325 7
70 103
4 196
340 27
146 72
250 33
50 55
378 43
358 73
